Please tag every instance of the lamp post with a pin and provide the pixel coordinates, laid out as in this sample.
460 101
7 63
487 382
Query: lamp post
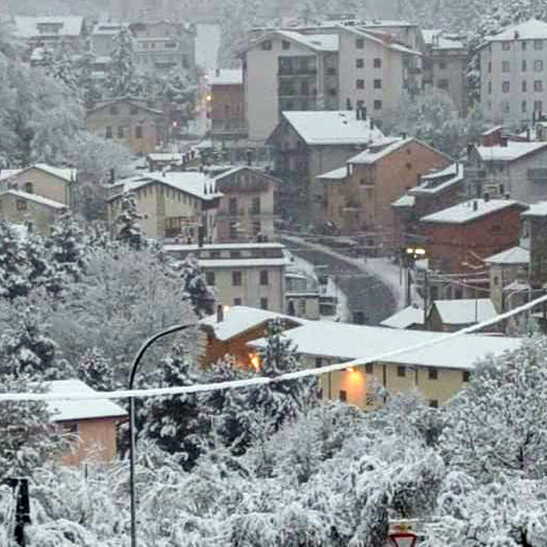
410 255
137 360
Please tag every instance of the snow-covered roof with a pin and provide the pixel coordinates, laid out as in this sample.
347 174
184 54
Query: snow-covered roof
437 40
318 42
34 197
109 28
379 150
512 151
226 76
223 247
529 30
64 173
163 156
440 180
384 38
465 311
404 201
65 25
466 212
515 255
240 319
191 182
8 173
81 409
343 341
411 315
517 286
336 174
332 127
536 210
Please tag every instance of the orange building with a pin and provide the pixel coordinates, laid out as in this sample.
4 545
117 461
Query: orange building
92 424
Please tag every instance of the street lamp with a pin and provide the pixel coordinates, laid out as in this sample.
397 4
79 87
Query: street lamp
410 255
138 357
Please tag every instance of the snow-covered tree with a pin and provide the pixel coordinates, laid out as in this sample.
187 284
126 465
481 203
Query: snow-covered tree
13 263
195 290
122 80
95 370
128 222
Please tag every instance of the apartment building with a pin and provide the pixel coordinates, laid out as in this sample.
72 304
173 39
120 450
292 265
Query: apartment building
307 144
513 73
163 46
534 240
285 70
173 204
128 122
242 274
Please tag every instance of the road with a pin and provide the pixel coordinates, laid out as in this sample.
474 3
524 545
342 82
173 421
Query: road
366 293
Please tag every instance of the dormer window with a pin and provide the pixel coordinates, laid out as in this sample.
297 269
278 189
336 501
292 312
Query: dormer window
29 189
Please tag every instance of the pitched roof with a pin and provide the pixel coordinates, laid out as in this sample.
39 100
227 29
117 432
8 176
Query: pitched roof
513 151
194 183
465 311
411 315
532 29
240 319
338 127
536 210
515 255
65 410
35 198
64 173
383 38
404 201
466 212
439 180
317 42
127 100
436 39
226 76
26 26
379 150
336 174
361 343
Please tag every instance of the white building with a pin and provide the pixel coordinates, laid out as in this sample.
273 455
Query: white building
513 73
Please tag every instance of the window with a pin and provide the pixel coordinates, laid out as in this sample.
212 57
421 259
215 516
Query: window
538 45
108 133
332 92
232 206
264 277
360 43
331 71
442 84
466 375
538 65
524 86
506 46
21 205
442 65
505 66
377 63
170 45
524 66
538 85
401 371
524 106
505 86
119 132
359 63
237 301
489 66
343 395
360 84
266 45
285 44
210 278
489 88
523 45
369 368
255 207
138 132
263 303
538 106
433 403
302 307
113 110
377 84
236 279
377 104
29 188
433 374
257 227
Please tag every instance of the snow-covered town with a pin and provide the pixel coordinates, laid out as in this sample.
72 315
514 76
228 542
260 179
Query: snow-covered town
273 274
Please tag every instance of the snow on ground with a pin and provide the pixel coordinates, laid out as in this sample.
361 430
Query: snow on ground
382 268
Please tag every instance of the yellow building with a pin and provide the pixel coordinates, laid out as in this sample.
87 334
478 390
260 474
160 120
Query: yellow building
22 208
172 204
438 371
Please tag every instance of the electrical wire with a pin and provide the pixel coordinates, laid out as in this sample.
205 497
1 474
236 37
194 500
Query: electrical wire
251 382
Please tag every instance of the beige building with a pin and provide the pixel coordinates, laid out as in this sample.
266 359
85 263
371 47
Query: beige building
54 183
173 204
242 274
513 73
129 123
438 371
21 208
90 425
284 71
246 209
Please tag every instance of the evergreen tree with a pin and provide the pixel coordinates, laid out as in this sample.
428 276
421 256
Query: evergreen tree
39 271
122 80
128 222
194 287
96 371
87 87
13 263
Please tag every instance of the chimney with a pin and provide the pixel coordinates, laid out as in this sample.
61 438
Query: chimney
486 197
507 195
475 205
348 104
220 313
403 135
